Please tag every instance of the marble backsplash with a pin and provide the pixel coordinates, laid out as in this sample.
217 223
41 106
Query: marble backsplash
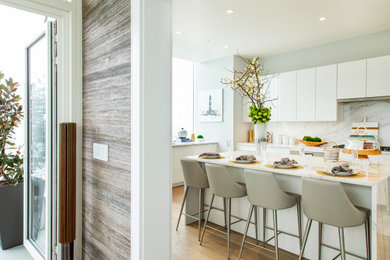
374 111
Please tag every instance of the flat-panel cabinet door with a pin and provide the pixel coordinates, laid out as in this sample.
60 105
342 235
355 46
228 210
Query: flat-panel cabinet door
326 93
352 79
378 76
288 96
273 92
306 105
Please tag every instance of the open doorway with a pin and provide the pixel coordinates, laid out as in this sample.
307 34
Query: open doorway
27 62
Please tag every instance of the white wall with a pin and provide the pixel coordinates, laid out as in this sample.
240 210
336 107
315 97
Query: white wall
208 76
367 46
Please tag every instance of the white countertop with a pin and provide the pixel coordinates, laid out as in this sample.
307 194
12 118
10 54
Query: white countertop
193 143
376 173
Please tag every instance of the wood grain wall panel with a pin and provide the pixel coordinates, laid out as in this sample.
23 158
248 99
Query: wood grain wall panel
106 120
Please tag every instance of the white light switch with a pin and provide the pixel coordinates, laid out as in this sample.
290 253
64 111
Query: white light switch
100 152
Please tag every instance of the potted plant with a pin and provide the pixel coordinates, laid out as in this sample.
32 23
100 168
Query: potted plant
11 166
199 138
249 83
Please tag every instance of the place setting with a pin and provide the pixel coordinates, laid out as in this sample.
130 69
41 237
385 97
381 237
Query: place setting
341 169
245 159
210 156
285 164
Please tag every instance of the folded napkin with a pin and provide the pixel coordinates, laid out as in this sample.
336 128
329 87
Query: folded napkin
246 158
208 154
341 168
285 161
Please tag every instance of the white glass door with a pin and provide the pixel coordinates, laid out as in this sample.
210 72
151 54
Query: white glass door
41 143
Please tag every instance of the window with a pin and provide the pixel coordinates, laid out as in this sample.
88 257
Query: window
182 96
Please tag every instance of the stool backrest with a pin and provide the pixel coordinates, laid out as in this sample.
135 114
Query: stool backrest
327 202
264 191
222 184
194 175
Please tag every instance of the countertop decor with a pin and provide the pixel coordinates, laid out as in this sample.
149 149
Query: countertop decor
249 83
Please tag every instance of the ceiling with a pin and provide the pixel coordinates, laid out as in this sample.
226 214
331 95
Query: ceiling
269 27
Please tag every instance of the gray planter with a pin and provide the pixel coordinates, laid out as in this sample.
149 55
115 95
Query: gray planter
11 215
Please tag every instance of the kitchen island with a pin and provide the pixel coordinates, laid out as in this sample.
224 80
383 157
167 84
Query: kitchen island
370 192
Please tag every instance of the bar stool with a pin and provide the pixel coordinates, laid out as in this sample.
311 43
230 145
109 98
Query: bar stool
327 203
264 191
196 178
222 185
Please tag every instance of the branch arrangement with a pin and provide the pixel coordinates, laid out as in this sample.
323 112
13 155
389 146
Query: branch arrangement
11 114
249 83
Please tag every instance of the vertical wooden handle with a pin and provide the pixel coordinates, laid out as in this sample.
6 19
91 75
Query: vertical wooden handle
67 183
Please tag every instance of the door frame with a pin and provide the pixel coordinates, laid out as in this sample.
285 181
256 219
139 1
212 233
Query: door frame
151 185
69 82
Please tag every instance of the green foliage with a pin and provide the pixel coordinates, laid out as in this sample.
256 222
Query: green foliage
312 139
199 136
11 114
259 115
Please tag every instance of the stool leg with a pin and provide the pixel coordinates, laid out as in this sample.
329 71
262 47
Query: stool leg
229 213
342 243
256 227
307 231
182 206
368 240
207 218
264 224
200 210
276 234
299 215
224 211
246 230
319 240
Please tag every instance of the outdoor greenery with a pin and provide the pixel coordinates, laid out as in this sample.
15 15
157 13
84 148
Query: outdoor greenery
11 115
251 84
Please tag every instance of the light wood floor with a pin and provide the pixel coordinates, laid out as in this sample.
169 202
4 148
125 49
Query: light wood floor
185 243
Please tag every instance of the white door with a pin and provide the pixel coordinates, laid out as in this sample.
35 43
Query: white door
41 144
306 92
378 76
326 93
351 79
288 96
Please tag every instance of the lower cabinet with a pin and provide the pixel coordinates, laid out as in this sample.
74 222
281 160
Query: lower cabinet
181 150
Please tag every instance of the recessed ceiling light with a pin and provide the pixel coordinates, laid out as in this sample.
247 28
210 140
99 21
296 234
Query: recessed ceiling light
178 32
230 11
323 18
226 46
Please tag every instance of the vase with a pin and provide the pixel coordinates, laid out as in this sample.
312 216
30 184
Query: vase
259 135
260 131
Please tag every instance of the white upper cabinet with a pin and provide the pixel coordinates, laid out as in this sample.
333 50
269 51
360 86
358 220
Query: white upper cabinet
288 96
273 91
306 86
352 79
326 93
378 76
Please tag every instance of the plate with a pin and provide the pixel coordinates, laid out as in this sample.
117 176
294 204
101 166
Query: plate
244 161
210 157
285 166
340 173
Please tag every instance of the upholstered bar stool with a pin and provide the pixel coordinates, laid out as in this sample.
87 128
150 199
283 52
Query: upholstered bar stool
194 177
327 203
222 185
264 191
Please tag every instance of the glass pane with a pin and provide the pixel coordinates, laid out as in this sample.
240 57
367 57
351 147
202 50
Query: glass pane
37 122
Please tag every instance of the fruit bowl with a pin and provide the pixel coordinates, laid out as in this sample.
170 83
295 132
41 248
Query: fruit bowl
308 143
